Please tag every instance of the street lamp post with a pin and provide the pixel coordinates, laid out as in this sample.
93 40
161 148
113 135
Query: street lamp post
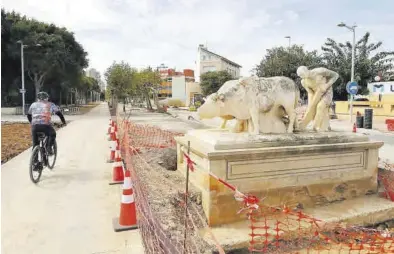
23 91
289 37
353 29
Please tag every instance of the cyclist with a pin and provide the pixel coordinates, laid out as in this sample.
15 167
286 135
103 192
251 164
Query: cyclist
39 115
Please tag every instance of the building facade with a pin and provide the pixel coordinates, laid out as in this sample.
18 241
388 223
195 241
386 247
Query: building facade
93 73
168 87
210 61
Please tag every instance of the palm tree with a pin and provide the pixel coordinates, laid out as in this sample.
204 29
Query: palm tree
369 60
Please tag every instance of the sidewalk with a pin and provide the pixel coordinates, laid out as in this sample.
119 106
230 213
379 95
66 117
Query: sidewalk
377 126
71 209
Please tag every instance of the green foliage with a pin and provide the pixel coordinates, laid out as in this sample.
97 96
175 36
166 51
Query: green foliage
121 79
368 62
212 81
280 61
53 59
124 81
197 104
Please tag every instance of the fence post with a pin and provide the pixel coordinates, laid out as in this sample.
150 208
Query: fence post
186 194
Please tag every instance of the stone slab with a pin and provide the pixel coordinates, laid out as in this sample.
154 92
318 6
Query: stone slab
305 169
363 211
218 139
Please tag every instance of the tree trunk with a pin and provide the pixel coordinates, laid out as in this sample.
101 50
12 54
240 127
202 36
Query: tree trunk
148 104
38 80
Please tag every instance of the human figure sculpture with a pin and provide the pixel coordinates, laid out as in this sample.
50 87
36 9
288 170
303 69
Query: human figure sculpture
250 99
318 84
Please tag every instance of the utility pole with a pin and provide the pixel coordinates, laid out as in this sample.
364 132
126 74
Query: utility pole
352 29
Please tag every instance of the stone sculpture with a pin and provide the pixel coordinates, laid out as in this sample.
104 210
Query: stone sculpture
240 125
256 103
318 83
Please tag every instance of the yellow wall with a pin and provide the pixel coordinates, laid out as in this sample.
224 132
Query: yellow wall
385 98
166 87
384 108
192 88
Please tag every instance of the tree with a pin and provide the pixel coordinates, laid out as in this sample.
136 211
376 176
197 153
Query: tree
121 80
280 61
55 66
368 62
124 81
148 82
212 81
119 77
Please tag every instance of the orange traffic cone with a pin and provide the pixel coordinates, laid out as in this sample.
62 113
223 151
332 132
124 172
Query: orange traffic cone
111 133
128 215
109 127
117 172
112 152
354 128
118 154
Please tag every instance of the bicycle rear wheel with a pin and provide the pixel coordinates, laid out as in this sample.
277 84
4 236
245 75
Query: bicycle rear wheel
52 157
36 166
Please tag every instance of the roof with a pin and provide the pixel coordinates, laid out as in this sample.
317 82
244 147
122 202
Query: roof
221 57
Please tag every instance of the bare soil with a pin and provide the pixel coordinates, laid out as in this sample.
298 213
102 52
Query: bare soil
166 190
86 108
15 138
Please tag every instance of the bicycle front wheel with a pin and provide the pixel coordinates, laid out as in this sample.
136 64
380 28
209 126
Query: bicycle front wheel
52 158
36 166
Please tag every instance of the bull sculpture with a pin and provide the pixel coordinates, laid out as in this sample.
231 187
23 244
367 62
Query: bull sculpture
259 105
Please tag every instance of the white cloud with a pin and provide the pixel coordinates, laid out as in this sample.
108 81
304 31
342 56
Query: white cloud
278 22
291 15
151 32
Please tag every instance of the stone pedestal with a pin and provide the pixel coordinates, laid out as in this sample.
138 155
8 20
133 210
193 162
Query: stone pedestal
303 169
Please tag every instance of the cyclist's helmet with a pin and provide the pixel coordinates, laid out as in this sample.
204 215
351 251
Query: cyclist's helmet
42 96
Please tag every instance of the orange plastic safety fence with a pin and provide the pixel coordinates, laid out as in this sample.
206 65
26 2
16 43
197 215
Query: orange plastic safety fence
145 136
276 230
386 177
272 229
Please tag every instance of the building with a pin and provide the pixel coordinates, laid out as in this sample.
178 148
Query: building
193 93
210 61
179 88
167 82
93 73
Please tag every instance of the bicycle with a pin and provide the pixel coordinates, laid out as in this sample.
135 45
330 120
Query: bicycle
40 158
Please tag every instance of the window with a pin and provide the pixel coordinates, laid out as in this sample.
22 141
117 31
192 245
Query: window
208 68
203 57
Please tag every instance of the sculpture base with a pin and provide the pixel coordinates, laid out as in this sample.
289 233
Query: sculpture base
305 170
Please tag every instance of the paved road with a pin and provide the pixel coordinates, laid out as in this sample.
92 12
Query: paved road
71 209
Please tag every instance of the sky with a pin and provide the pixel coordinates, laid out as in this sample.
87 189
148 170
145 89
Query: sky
151 32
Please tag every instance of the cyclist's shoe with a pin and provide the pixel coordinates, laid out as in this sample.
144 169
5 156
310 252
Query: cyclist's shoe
50 151
37 166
